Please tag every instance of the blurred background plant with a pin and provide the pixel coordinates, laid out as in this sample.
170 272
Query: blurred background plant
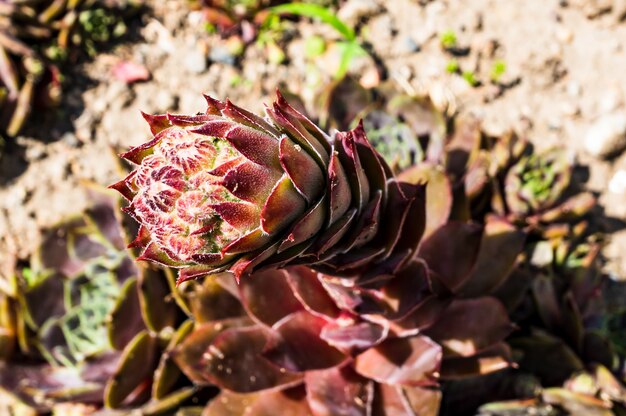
39 39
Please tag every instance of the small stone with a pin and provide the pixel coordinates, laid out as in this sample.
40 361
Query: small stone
354 10
611 100
573 89
222 54
569 109
370 78
617 184
607 136
195 62
408 45
70 139
564 35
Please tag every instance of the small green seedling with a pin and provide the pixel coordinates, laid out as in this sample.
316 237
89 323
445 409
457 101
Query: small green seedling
452 66
470 77
349 48
497 70
448 39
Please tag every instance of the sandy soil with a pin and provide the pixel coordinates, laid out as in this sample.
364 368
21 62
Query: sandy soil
563 84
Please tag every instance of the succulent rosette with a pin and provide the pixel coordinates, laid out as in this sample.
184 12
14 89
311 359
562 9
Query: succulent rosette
228 190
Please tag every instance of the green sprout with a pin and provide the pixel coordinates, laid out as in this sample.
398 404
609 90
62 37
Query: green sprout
448 39
470 78
452 66
497 70
349 48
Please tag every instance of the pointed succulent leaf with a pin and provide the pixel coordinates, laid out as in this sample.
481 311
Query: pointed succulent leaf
125 320
229 356
353 337
401 361
438 193
297 345
167 374
500 246
547 357
138 361
268 297
310 291
211 301
451 252
338 391
469 326
489 360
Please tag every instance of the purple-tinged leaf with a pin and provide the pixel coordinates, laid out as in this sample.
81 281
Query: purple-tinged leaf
451 252
241 215
210 301
339 190
349 157
353 337
308 126
333 234
303 171
243 116
492 359
547 357
438 193
405 361
298 346
468 326
339 392
283 206
138 153
125 321
500 246
547 302
409 287
134 371
229 356
319 149
125 187
251 241
308 226
268 297
153 253
250 182
308 289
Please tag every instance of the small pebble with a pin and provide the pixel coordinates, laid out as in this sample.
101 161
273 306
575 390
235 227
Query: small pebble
221 54
195 62
573 89
409 45
617 184
354 10
607 136
564 35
